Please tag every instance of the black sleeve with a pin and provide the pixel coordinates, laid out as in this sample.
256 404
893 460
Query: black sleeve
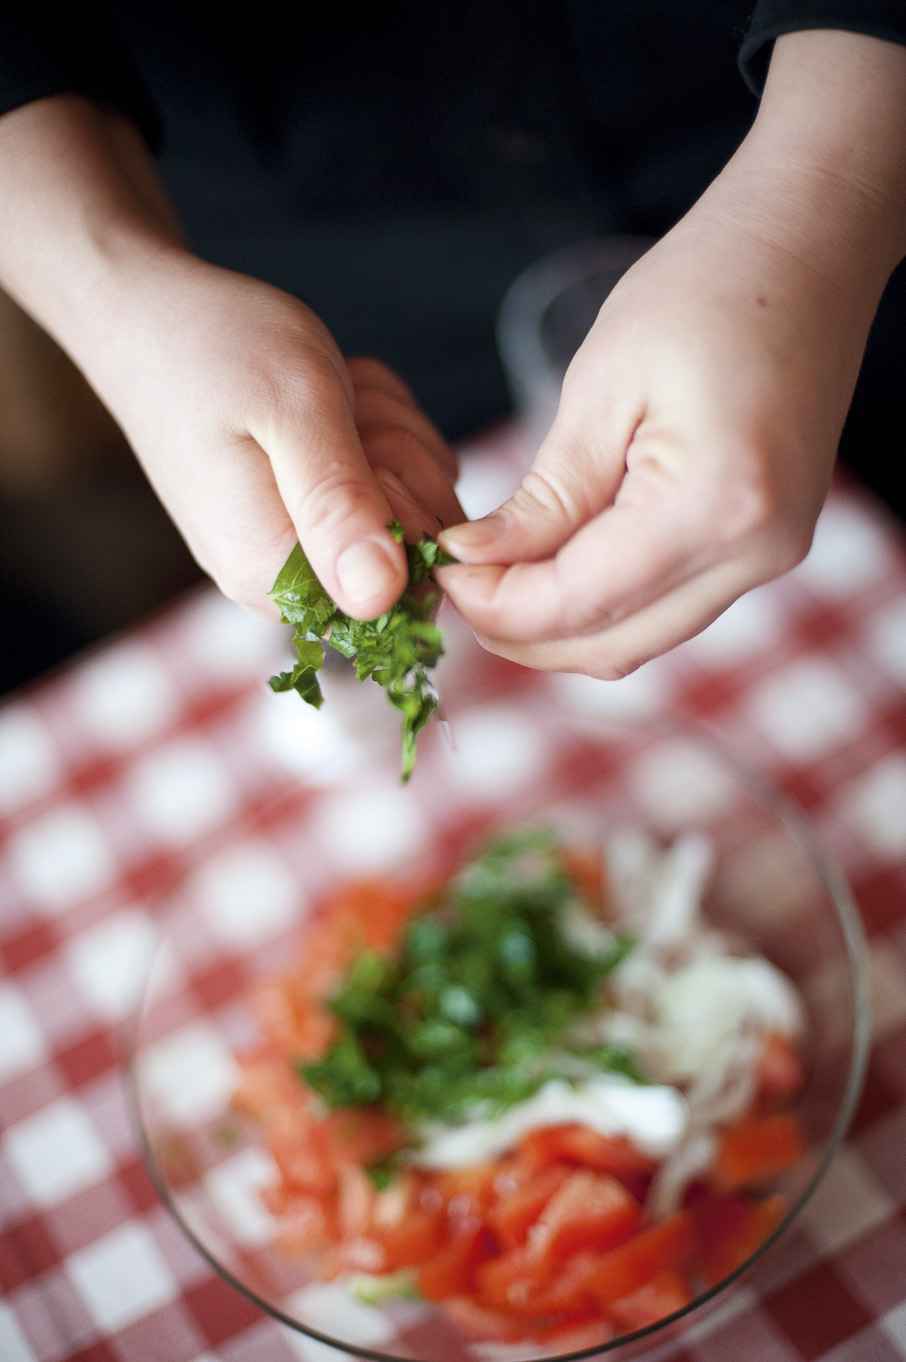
56 54
773 18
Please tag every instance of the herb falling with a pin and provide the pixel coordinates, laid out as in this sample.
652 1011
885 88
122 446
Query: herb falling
397 650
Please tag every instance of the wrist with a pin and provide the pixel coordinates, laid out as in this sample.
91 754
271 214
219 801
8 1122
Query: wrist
73 245
829 148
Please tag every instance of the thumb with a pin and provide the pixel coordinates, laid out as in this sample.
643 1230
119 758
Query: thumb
575 475
338 508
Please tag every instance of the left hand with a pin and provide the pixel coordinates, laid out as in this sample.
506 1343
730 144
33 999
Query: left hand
697 428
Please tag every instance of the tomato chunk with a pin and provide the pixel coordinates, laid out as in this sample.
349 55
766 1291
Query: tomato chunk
758 1149
581 1145
514 1214
740 1238
412 1242
670 1244
589 1210
780 1072
451 1271
468 1192
666 1292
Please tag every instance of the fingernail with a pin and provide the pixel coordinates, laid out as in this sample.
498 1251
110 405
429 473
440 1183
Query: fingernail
474 535
366 569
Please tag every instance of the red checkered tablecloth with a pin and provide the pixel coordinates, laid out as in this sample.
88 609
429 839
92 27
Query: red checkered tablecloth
152 758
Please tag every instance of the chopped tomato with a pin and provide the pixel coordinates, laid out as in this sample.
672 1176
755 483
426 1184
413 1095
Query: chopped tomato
757 1149
363 1135
451 1271
515 1213
510 1281
666 1292
589 1210
413 1241
356 1201
468 1192
569 1289
669 1244
304 1227
780 1073
580 1144
740 1238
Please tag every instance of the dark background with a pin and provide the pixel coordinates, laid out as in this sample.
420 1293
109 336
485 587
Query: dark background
397 172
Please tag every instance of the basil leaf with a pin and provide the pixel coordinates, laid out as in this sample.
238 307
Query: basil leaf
397 651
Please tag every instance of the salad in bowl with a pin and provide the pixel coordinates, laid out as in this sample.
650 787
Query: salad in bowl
542 1080
545 1094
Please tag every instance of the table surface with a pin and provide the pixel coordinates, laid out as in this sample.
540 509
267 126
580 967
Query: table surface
148 758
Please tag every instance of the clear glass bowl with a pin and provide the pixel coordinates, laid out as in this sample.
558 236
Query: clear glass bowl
241 915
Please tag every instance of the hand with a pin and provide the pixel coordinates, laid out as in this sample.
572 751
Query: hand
698 423
255 432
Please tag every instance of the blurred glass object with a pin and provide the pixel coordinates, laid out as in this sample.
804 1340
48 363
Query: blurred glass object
547 313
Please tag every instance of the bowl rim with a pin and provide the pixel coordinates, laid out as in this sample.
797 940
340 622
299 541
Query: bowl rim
836 887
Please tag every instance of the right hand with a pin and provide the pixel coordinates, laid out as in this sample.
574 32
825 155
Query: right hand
255 432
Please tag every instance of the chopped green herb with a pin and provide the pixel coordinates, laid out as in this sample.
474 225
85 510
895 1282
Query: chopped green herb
476 1012
397 650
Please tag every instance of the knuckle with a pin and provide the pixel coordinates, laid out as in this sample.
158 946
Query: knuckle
748 503
334 497
542 491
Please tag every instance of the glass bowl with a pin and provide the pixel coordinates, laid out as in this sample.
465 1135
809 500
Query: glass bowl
240 915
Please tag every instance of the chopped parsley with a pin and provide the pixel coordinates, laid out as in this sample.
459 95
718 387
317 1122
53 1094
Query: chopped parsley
476 1011
397 650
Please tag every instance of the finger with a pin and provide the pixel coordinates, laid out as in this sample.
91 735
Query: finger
337 506
615 565
617 652
414 517
403 455
576 474
235 523
378 410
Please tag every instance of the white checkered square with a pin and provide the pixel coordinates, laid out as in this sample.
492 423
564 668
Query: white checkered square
22 1044
636 695
123 695
60 858
875 807
806 709
749 626
894 1326
189 1075
849 1202
181 791
886 638
29 766
56 1152
122 1276
328 1308
497 751
850 552
369 829
109 961
13 1344
680 783
247 893
221 642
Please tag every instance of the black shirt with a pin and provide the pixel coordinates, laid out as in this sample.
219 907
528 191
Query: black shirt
397 169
